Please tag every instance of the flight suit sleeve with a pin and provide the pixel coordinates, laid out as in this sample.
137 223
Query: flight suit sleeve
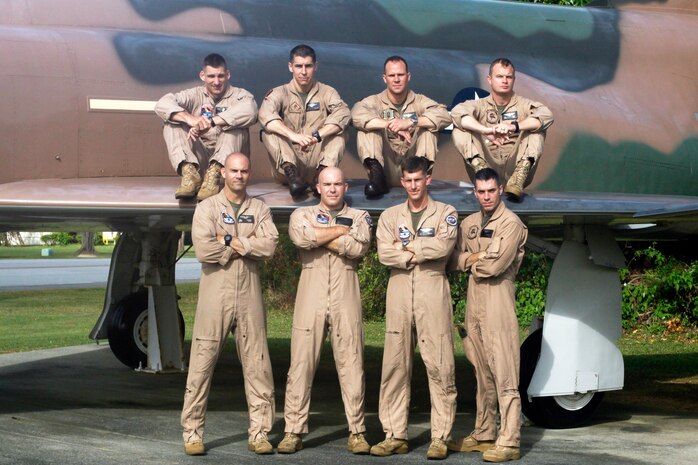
270 109
363 112
301 232
441 245
467 108
435 112
339 113
203 232
356 243
501 251
542 114
261 244
388 254
172 103
242 111
460 253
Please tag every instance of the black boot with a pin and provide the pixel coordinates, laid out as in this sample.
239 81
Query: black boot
296 186
377 184
316 179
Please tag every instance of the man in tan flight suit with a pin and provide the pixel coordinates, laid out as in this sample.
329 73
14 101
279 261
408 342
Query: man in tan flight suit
395 124
205 124
232 233
491 246
503 131
303 124
331 238
415 240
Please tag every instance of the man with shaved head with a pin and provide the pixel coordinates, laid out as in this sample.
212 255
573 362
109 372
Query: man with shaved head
232 233
331 238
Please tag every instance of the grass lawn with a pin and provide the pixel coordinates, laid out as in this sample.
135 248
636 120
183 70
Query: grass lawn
59 251
658 369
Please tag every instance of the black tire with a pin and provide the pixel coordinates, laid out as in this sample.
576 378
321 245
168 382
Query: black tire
554 411
127 330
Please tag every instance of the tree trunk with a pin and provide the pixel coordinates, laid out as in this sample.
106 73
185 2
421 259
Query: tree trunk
88 245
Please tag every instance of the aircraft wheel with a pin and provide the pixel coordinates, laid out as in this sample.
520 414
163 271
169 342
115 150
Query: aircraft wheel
128 330
553 411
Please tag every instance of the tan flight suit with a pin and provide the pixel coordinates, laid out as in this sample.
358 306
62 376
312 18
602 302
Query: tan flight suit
388 148
237 107
492 343
523 145
230 299
328 299
323 106
418 298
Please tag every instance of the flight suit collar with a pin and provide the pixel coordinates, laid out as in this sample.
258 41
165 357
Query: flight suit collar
496 213
386 101
513 102
313 90
407 213
228 93
319 209
224 202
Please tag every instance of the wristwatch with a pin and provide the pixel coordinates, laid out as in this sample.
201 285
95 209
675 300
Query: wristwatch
415 119
516 125
316 135
228 239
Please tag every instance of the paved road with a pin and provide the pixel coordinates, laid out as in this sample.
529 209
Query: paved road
73 272
78 405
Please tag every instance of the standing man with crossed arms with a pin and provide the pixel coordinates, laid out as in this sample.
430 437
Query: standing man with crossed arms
232 233
491 247
331 238
415 240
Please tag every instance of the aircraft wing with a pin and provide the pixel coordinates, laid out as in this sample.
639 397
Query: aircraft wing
147 203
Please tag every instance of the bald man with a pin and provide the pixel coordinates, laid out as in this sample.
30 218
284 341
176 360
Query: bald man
331 238
232 233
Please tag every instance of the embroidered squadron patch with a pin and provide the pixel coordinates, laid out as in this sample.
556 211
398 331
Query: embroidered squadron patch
323 218
403 232
451 220
369 221
472 232
492 116
227 219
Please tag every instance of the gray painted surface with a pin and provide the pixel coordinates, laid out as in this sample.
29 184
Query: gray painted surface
77 272
79 405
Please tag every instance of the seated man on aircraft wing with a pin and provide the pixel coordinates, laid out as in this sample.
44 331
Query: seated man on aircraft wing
303 124
502 131
203 125
393 125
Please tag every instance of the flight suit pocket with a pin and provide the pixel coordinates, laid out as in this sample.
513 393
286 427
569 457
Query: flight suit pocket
394 350
493 249
206 355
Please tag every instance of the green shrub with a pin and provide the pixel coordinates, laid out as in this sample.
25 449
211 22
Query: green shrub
659 290
373 281
60 238
279 276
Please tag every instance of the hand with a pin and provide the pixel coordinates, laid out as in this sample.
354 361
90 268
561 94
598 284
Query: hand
498 134
406 136
398 125
305 141
474 258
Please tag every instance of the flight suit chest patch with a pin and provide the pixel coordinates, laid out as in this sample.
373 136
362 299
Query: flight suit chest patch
472 232
487 233
388 113
322 218
403 232
344 221
510 116
312 106
227 219
249 219
295 107
426 232
492 116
